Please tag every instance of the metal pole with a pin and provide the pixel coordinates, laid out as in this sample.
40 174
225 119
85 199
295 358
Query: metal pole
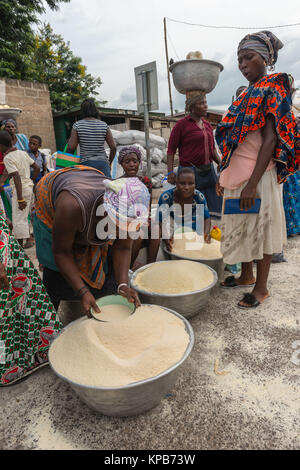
146 122
168 67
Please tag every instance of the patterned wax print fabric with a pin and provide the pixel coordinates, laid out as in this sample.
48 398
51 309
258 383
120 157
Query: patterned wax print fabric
125 200
28 320
22 142
270 95
291 204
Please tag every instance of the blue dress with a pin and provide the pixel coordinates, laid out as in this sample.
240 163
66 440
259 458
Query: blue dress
291 204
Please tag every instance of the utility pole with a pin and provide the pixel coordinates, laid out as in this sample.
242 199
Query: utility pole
168 66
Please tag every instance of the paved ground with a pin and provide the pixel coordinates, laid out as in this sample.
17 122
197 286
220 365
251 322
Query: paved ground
255 406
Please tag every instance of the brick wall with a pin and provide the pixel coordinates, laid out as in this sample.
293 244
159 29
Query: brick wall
34 101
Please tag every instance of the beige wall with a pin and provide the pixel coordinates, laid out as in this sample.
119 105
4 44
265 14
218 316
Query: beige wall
34 101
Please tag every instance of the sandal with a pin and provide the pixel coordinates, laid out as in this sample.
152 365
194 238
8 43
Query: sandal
249 299
29 244
230 282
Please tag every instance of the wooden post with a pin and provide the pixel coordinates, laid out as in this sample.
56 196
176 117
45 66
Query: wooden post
168 67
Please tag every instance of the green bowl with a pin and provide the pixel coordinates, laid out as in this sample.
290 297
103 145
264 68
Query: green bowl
115 300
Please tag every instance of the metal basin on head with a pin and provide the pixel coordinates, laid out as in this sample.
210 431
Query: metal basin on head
195 74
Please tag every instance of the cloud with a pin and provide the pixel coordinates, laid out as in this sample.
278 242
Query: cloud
112 38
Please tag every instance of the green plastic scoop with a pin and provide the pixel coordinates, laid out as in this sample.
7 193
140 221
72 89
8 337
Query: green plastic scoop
111 300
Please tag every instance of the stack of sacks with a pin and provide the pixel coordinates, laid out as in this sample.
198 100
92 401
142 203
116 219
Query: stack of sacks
158 153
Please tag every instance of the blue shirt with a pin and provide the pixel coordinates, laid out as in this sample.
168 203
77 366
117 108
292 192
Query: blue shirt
39 160
166 201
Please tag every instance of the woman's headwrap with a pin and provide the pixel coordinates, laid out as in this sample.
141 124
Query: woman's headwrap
127 150
126 200
10 120
192 97
264 43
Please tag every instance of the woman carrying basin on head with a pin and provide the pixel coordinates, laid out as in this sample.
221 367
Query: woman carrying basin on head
259 143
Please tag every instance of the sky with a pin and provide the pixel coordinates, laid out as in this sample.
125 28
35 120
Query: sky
112 37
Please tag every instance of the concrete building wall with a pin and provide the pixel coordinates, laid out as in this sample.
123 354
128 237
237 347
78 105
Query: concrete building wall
34 101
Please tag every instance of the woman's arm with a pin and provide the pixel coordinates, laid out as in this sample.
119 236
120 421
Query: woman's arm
67 222
73 142
121 253
265 155
18 185
4 282
111 143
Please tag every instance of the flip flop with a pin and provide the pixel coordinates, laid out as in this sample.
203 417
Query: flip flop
251 300
230 283
28 245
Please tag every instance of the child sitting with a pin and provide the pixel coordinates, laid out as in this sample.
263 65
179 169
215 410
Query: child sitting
18 164
188 198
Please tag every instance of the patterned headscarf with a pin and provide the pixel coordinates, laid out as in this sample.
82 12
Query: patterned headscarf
192 97
264 43
127 150
126 200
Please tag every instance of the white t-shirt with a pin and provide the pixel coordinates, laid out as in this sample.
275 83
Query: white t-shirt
19 161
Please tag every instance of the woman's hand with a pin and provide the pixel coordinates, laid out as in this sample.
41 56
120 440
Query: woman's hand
22 205
88 302
4 282
247 197
219 189
169 244
130 294
171 178
207 238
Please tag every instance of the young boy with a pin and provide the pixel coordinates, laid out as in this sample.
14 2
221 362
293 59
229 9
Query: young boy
18 164
35 143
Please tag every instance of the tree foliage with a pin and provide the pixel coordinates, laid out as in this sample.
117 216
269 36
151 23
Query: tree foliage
55 64
44 56
16 35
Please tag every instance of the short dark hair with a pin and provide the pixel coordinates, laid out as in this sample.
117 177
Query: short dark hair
185 170
89 109
36 137
5 139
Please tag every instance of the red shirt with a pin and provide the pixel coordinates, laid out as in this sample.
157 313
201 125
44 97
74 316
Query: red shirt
1 163
196 146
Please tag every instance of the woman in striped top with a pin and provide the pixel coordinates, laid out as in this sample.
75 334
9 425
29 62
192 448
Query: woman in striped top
91 133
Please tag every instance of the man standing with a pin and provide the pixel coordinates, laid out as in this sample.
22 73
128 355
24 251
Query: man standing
194 139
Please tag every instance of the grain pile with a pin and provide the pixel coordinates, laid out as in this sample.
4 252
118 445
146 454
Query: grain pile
174 277
122 352
191 245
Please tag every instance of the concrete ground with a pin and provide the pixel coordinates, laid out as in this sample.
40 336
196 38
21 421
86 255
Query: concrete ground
254 406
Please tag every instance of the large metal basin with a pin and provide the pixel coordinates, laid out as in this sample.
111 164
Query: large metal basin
217 263
195 74
135 398
187 304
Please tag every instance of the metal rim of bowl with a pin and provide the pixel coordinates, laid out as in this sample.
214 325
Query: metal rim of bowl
204 61
187 352
145 292
191 259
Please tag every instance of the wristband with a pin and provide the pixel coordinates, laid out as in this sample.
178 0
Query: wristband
80 293
21 200
121 285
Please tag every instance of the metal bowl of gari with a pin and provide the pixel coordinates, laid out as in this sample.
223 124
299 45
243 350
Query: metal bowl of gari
134 398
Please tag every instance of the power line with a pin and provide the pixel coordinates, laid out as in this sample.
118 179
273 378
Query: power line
168 34
234 27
